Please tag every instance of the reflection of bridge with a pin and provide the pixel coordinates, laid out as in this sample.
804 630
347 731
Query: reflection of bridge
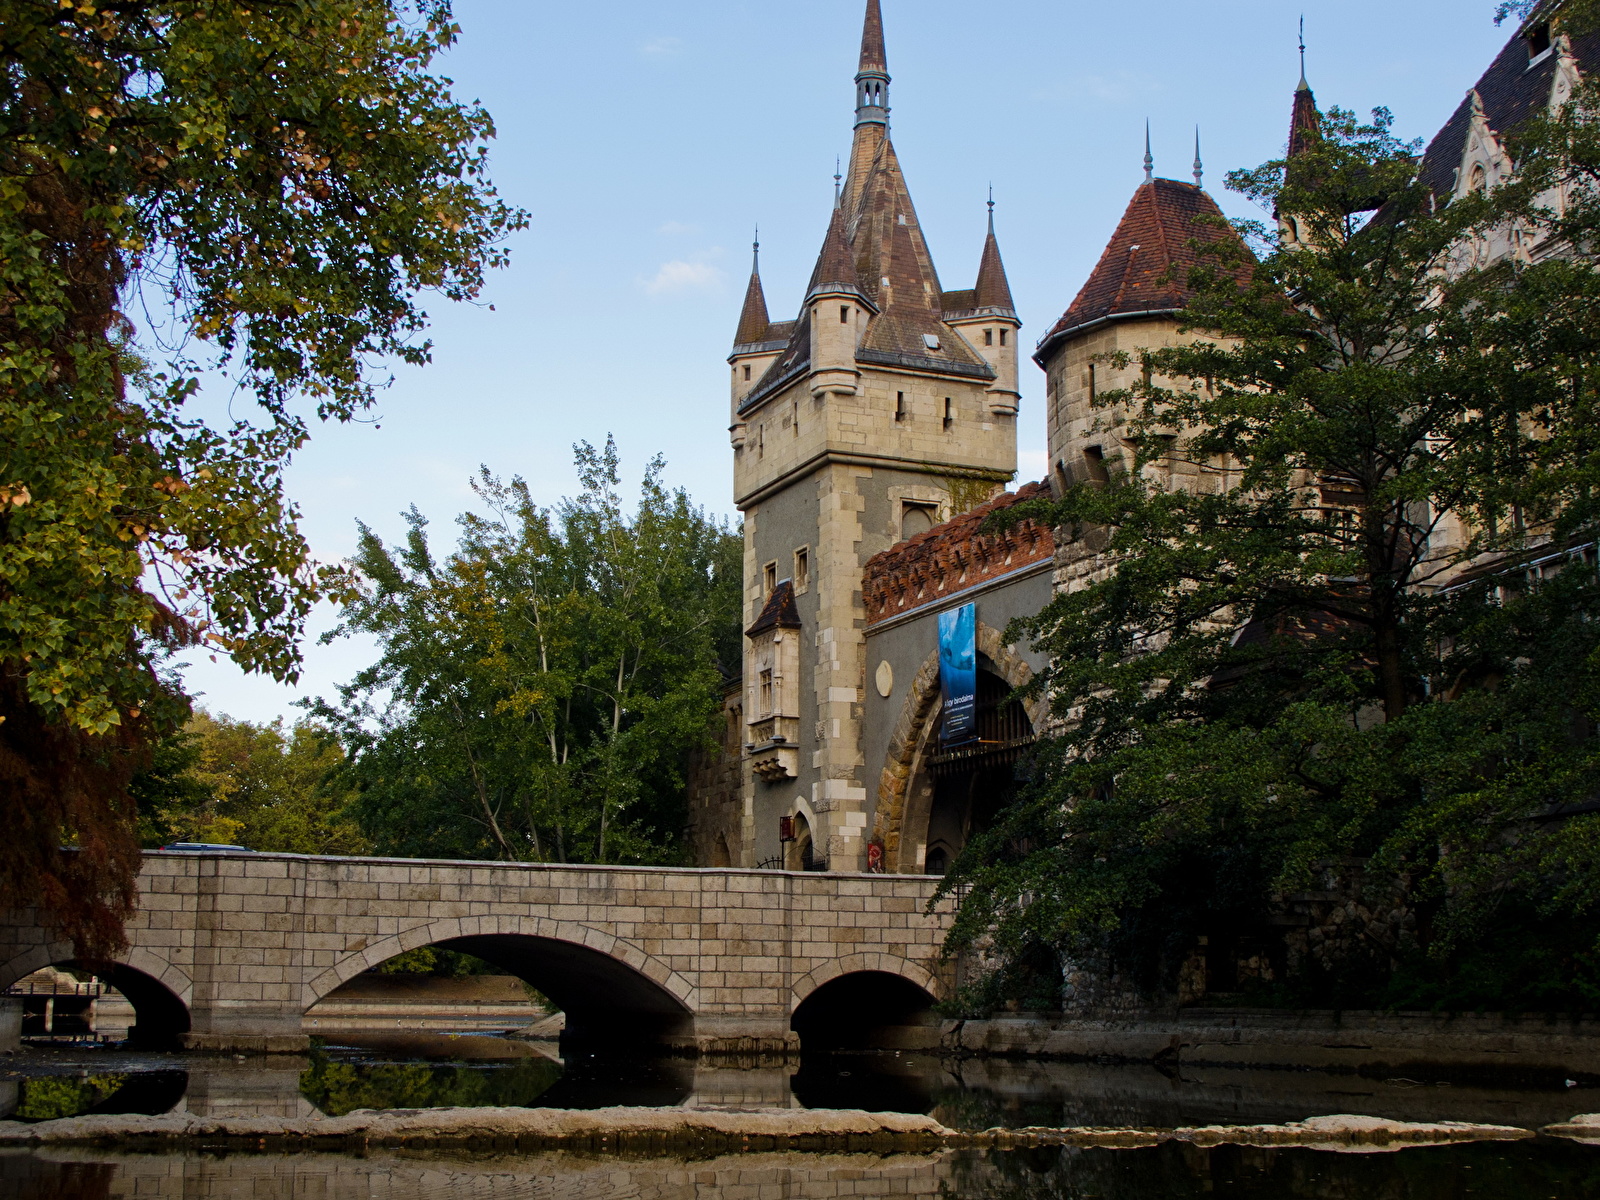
230 950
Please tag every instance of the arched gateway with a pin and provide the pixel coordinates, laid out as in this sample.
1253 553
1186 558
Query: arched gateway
228 951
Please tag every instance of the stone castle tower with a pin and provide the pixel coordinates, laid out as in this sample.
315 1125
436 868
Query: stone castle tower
850 426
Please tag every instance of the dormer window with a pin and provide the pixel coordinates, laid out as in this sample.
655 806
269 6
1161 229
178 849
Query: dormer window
931 341
1538 39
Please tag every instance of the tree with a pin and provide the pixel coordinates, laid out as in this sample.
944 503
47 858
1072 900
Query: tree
271 187
1269 678
259 785
539 690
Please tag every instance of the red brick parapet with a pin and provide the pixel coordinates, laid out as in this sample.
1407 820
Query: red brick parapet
953 557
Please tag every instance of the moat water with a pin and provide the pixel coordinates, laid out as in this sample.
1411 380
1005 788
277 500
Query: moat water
430 1071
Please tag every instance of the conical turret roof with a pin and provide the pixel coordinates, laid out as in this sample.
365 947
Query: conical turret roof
753 318
873 57
1145 267
835 269
1305 122
993 290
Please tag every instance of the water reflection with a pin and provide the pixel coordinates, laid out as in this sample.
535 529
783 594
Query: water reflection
435 1070
1516 1171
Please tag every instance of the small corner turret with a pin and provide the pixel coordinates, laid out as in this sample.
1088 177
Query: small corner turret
756 344
987 318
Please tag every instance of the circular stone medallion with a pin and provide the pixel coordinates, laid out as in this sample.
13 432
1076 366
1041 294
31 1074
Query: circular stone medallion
885 678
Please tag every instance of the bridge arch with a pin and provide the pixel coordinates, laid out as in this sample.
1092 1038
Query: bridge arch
596 978
159 991
865 1000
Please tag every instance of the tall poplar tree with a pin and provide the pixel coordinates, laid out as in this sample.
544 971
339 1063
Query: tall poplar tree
262 189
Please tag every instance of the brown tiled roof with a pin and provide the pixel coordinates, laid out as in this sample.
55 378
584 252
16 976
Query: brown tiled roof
779 611
1305 123
951 558
993 290
834 267
1145 266
962 301
1511 92
873 57
753 320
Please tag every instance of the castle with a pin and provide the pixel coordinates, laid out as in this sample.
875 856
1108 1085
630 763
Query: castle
870 436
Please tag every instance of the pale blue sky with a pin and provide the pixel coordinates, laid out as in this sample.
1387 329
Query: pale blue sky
646 137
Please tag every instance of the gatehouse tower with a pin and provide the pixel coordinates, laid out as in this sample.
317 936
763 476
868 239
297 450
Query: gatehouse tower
886 406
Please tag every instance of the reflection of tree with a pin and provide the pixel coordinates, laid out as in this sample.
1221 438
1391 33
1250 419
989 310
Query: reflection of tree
1515 1171
52 1097
337 1088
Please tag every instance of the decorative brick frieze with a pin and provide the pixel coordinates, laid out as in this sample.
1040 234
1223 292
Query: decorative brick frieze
951 558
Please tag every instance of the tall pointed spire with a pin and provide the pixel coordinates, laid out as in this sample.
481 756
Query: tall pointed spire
1149 159
753 319
1305 122
1199 167
993 290
872 77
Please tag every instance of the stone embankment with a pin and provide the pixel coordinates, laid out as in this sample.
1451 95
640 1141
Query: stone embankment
709 1132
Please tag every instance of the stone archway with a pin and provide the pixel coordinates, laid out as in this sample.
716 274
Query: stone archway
600 981
160 993
887 964
904 799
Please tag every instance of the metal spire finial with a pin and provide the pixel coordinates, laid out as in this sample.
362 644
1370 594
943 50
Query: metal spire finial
1149 160
1199 169
991 208
1303 83
755 253
837 194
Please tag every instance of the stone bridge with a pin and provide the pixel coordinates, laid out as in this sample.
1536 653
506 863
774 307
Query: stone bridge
230 950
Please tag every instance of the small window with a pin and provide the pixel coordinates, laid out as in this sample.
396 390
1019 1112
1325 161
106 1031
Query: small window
938 861
1003 337
1093 388
931 341
1094 464
802 568
766 693
949 412
915 519
900 410
988 337
844 314
1538 40
794 415
747 373
769 579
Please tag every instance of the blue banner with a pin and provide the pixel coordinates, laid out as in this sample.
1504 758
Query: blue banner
958 673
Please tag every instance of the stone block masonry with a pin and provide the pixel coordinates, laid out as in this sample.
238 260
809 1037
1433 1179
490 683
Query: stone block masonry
228 951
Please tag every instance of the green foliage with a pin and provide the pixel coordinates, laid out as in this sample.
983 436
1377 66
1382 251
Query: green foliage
1267 680
436 962
222 780
337 1088
542 687
54 1096
273 187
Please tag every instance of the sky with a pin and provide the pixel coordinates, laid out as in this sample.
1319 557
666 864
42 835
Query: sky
647 139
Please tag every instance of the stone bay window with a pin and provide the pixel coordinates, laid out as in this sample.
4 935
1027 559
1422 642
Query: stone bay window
773 711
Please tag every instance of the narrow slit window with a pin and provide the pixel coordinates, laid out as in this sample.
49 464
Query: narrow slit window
844 314
1003 337
794 412
988 337
802 569
747 373
900 406
949 412
769 578
766 692
1093 388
